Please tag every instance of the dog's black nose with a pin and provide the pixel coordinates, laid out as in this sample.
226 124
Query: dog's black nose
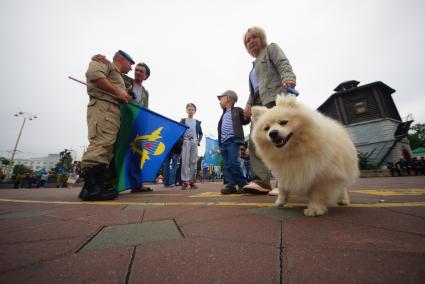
274 134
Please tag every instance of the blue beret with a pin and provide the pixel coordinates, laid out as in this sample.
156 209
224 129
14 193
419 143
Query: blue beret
148 71
128 57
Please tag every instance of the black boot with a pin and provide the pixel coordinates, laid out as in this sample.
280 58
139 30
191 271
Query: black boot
91 188
109 191
95 188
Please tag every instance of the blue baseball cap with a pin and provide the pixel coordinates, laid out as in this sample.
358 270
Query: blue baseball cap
125 54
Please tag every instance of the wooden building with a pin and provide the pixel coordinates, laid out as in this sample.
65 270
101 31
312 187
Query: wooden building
372 119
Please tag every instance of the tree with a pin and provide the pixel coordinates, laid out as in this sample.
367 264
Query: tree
417 135
4 161
65 161
21 169
365 162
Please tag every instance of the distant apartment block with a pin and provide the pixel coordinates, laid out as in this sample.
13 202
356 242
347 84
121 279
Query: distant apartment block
35 164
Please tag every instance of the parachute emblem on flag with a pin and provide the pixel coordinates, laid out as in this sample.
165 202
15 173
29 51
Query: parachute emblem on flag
146 145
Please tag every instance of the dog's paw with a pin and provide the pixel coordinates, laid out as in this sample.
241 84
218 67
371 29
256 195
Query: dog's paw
315 211
344 202
280 202
344 199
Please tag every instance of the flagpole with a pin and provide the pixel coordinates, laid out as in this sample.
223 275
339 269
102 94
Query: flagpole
94 87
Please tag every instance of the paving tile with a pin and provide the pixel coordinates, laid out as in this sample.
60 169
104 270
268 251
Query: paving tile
317 265
278 213
23 214
14 256
388 218
320 232
90 267
245 228
168 212
48 231
102 215
210 213
205 261
418 212
7 207
133 234
22 224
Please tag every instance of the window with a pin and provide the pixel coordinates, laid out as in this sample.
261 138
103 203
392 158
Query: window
360 107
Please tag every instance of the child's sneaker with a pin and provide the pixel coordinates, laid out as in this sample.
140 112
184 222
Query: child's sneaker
193 185
184 186
229 189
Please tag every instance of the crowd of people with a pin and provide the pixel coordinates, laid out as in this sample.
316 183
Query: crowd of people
60 177
413 166
109 87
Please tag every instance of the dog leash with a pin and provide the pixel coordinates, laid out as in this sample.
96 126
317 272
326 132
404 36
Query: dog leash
292 91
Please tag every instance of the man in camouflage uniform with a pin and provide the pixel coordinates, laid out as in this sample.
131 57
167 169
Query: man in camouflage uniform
103 120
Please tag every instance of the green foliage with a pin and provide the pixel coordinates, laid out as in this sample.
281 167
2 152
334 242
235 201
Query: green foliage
417 136
365 162
21 169
65 161
4 161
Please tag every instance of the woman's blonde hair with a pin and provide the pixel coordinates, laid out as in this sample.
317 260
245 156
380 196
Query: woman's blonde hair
255 32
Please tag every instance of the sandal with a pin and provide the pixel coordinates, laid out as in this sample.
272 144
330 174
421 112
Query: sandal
274 192
254 188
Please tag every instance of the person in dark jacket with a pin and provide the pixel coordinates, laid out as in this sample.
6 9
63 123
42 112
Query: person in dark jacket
170 164
230 137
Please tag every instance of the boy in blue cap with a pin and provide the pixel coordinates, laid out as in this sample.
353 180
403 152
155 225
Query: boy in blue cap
230 137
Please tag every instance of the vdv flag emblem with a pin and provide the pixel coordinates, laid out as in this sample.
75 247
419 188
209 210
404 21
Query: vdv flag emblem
144 140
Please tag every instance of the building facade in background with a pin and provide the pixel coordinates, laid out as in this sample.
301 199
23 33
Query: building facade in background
36 164
372 119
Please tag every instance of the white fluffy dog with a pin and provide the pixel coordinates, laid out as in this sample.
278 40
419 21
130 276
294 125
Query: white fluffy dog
308 152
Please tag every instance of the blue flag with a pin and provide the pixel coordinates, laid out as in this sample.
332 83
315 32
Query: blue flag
144 140
212 154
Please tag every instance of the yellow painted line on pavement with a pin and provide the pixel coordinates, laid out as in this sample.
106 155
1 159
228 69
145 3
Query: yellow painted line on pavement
218 194
391 192
379 192
249 204
135 195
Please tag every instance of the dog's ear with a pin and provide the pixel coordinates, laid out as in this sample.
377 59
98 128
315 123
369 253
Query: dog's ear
286 100
257 111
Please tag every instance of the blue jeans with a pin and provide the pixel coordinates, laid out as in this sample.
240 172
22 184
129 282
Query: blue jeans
170 169
232 168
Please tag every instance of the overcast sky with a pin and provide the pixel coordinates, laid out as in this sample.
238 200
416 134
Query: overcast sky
195 52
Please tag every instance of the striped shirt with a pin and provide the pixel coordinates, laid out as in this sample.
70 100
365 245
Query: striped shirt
227 126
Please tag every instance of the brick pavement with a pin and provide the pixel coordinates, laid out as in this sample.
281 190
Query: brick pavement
200 236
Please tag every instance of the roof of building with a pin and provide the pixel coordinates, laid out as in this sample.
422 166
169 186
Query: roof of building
347 87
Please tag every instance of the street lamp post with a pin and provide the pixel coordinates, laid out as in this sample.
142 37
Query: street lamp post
26 116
